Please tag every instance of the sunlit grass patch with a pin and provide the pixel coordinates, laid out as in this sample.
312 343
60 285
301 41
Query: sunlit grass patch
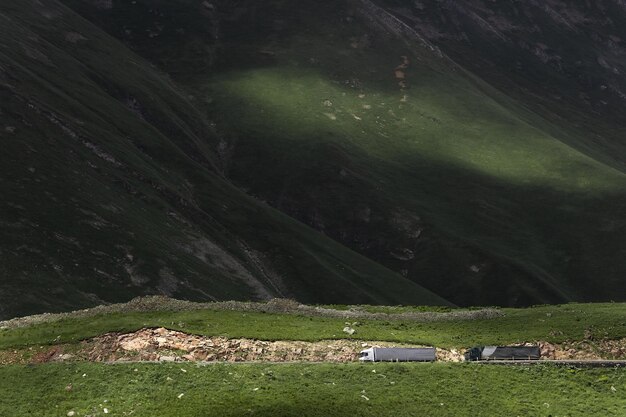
435 121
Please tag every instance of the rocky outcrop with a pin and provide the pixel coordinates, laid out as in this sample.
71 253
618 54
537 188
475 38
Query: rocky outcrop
584 350
163 345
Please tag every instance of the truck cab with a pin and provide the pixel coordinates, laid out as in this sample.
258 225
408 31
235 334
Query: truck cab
367 355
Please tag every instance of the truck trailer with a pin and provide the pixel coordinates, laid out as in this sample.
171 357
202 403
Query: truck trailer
398 355
503 353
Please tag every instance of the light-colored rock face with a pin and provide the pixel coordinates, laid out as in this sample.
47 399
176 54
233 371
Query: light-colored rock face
168 346
212 254
134 344
584 350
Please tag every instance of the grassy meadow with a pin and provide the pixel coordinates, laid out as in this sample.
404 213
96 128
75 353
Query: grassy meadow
320 389
310 390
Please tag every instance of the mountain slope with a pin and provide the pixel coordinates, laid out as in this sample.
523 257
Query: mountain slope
414 146
406 132
112 187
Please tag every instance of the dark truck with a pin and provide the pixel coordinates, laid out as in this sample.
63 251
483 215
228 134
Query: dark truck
503 353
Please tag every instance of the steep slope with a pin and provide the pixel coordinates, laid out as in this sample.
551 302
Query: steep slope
564 59
398 131
111 188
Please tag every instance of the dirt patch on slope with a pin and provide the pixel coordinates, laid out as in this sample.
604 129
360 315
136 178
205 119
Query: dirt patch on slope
585 350
163 345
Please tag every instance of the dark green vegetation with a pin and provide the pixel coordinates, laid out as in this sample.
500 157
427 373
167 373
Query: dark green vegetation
311 390
111 188
464 189
553 324
171 147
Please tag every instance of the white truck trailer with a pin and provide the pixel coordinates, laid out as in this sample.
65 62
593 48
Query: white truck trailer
398 355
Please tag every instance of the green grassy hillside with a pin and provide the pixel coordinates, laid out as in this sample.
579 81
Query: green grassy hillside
562 59
314 389
112 187
412 147
445 178
172 147
335 116
311 390
553 324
